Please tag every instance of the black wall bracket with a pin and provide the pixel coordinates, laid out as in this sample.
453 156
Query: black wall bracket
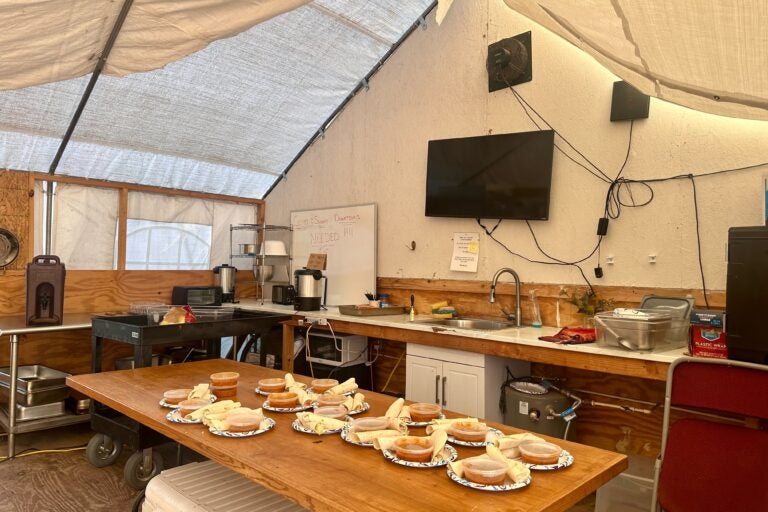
509 62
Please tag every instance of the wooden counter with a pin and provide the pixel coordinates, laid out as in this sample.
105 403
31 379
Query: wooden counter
324 472
516 343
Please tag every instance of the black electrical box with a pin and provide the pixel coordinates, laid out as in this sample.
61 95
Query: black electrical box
628 103
746 300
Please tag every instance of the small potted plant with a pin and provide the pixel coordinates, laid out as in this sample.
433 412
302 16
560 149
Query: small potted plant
587 304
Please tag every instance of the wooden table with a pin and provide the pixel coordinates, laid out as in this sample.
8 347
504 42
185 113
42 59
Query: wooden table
324 472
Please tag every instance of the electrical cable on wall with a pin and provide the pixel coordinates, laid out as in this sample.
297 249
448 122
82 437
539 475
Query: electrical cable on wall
614 201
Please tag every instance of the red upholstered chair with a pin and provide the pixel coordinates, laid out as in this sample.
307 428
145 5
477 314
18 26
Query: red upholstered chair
707 465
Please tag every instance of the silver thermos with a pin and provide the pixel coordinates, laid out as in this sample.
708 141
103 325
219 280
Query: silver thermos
225 277
310 289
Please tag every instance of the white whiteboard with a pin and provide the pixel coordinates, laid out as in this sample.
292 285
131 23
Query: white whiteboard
348 236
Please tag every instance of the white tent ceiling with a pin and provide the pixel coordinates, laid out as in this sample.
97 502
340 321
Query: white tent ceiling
221 95
226 119
710 55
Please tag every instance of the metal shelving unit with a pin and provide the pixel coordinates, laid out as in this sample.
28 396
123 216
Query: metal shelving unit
268 269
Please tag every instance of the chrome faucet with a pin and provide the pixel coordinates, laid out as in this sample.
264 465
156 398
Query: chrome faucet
517 316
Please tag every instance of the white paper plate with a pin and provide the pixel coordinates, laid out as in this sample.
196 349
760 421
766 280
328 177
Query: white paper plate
347 393
298 408
269 424
477 444
565 460
175 417
508 484
423 423
165 404
366 406
298 427
449 455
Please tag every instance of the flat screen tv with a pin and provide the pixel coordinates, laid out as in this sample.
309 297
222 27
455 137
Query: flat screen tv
504 176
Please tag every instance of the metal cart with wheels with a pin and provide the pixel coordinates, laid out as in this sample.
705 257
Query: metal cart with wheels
114 429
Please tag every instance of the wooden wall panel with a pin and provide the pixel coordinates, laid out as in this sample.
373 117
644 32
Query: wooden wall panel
91 291
66 351
470 298
14 212
389 369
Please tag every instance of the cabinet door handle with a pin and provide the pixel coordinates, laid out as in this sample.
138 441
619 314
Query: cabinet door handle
437 382
444 379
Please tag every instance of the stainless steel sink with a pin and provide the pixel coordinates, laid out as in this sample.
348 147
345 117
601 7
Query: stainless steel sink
470 323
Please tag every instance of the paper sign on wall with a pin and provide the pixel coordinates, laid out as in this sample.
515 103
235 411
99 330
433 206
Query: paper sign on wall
466 249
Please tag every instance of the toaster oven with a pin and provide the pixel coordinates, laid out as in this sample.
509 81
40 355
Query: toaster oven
196 295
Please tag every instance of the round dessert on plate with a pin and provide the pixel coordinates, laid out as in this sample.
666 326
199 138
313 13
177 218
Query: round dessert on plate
469 431
244 422
275 385
323 385
174 396
338 412
223 379
368 424
284 400
189 406
539 452
413 449
485 471
224 391
421 412
331 399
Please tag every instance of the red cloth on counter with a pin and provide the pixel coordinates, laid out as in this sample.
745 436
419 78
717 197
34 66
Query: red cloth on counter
572 336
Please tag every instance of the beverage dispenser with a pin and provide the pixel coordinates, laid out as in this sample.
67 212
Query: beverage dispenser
310 289
45 290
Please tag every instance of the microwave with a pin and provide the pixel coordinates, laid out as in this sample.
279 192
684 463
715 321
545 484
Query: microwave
339 350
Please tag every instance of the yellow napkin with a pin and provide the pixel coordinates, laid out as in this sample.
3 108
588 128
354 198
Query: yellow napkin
516 470
345 387
394 409
317 423
303 396
219 420
290 382
354 403
508 445
445 424
439 439
200 391
372 435
214 408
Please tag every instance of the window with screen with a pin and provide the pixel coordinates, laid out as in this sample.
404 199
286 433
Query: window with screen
154 245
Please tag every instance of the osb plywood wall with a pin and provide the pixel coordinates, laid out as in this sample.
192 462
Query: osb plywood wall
14 212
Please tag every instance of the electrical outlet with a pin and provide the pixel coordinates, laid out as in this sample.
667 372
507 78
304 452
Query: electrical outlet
315 320
509 62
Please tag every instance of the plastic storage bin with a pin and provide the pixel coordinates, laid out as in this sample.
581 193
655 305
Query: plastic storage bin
645 331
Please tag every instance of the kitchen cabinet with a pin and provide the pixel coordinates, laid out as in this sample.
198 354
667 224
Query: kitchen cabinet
268 247
464 382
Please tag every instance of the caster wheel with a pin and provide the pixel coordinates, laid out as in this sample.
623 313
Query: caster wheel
136 474
103 451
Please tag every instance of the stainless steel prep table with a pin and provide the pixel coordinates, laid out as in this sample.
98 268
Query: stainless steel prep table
14 326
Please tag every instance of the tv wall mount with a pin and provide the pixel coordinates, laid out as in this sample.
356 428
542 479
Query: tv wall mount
509 62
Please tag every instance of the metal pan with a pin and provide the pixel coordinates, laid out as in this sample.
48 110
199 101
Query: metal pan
9 247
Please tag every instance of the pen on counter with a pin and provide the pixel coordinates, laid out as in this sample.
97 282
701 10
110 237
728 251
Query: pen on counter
413 310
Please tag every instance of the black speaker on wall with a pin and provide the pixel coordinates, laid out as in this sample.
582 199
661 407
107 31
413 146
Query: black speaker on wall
628 103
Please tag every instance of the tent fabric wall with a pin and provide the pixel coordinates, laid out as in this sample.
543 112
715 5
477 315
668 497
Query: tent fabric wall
52 40
227 119
85 225
709 55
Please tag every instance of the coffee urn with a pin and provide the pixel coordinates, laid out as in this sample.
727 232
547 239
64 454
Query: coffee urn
225 277
310 288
